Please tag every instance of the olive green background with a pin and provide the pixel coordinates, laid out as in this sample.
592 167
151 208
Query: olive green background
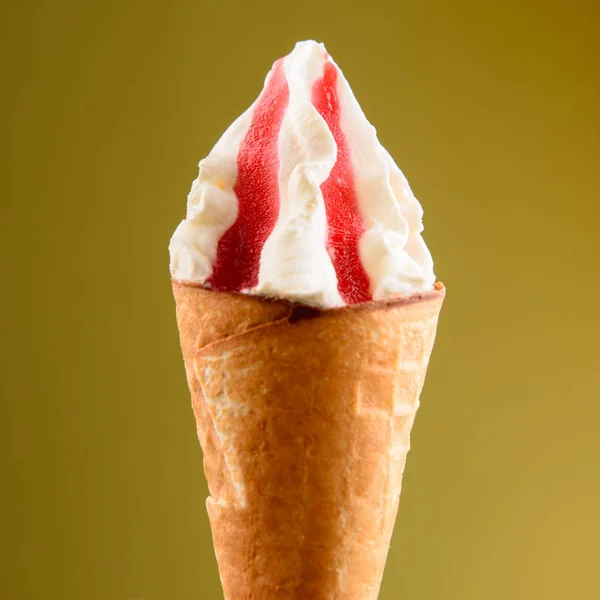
490 108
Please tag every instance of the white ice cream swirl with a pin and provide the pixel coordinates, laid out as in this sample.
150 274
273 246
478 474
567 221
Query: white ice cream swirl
297 262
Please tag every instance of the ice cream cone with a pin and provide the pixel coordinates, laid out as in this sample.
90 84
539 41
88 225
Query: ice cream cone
304 417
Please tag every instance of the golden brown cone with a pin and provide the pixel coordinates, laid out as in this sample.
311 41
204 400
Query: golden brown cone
304 417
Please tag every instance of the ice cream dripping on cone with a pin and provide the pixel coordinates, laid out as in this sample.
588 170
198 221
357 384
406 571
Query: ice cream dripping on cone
307 312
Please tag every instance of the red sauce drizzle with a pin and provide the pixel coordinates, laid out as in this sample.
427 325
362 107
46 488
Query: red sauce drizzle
257 190
344 222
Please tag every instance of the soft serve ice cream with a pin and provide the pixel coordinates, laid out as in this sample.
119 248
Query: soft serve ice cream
304 416
299 200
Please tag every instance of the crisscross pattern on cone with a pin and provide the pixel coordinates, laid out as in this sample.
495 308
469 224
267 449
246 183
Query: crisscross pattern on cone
304 417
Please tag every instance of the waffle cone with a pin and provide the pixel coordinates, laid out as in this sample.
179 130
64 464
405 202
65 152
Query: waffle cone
304 418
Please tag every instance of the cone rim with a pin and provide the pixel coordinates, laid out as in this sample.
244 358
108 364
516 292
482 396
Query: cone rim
437 293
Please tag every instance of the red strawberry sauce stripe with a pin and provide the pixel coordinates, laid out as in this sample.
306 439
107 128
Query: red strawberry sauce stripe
344 222
257 190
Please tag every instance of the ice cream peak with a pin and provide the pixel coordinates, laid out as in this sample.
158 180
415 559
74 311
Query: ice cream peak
299 200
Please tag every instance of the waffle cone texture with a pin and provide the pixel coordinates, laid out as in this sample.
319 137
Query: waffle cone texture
304 418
